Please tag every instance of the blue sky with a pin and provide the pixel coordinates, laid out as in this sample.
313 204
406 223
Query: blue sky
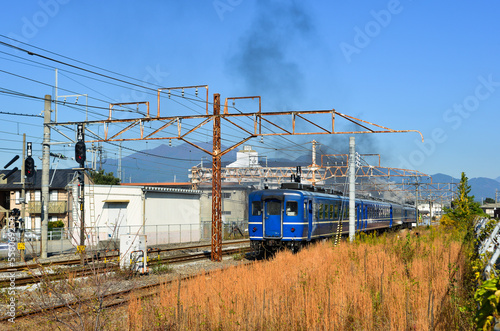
419 65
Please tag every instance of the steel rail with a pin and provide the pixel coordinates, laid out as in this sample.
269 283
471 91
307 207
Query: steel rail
99 267
128 291
106 255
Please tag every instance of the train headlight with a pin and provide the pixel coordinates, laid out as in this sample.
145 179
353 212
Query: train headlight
293 229
254 229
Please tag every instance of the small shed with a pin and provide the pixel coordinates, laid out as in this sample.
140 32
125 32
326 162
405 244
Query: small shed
492 209
165 215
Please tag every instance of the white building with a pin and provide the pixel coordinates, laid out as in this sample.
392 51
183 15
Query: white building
425 208
246 158
165 215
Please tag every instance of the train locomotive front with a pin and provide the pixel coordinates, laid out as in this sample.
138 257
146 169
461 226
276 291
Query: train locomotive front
278 219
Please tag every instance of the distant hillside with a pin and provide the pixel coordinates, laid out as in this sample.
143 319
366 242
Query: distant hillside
168 164
442 178
482 187
164 163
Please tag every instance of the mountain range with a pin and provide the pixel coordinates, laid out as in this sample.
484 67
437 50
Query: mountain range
481 187
172 163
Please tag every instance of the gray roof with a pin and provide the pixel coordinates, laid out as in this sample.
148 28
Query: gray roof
60 180
490 205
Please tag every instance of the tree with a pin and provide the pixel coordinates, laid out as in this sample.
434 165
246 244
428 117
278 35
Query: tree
464 209
489 200
100 177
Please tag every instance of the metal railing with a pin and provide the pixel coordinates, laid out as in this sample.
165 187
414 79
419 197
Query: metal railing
63 240
489 248
55 207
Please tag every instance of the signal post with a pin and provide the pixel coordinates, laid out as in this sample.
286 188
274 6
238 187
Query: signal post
80 157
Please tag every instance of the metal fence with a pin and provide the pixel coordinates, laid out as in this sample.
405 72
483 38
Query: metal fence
489 247
62 240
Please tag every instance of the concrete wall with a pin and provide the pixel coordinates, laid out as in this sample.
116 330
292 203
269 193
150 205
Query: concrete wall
234 205
165 216
172 208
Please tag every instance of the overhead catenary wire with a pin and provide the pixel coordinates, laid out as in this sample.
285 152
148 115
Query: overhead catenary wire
106 76
20 114
66 57
171 94
75 107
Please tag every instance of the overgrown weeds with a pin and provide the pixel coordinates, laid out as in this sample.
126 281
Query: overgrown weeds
401 282
160 268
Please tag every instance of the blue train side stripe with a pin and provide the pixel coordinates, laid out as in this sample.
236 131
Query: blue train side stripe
275 213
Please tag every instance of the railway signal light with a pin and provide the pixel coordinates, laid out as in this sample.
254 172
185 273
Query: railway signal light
80 153
29 167
80 177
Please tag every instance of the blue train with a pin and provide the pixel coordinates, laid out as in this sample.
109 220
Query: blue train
298 214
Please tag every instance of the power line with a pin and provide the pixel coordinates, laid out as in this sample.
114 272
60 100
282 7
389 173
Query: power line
99 74
87 64
19 114
90 71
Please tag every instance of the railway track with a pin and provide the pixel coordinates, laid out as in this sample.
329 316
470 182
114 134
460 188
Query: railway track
103 267
104 255
122 297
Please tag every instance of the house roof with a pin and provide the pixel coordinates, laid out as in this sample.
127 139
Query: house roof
490 205
187 184
58 179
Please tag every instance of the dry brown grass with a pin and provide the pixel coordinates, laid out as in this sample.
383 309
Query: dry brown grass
393 282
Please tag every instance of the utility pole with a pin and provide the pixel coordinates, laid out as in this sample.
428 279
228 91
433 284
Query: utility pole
216 185
430 211
99 148
417 184
314 142
352 189
120 175
45 175
314 167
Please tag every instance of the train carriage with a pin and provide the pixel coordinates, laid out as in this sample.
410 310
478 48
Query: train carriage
297 214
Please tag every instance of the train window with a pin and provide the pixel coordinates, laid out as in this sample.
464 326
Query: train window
292 208
273 208
305 210
336 210
256 208
320 211
331 211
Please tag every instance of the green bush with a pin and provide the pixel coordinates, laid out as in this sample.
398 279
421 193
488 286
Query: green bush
56 224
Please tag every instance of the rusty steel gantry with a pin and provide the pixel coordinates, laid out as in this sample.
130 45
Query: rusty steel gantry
217 153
